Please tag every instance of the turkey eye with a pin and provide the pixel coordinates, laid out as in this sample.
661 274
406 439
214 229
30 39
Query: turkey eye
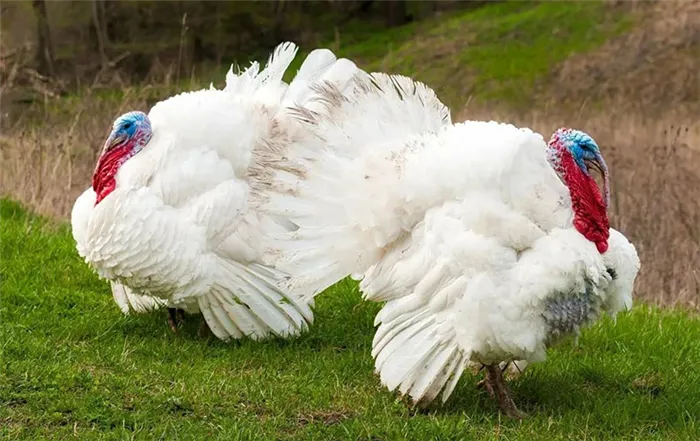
127 125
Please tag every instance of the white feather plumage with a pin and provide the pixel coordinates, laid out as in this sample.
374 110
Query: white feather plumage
464 230
178 229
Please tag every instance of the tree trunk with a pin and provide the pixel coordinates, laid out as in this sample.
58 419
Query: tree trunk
44 53
279 18
98 16
395 12
365 6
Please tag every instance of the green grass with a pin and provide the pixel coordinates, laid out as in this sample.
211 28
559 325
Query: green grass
72 364
497 52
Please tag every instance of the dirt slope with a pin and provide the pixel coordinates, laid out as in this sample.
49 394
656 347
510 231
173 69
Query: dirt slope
655 66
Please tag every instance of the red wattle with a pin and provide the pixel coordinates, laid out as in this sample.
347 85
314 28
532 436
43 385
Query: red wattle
602 246
103 179
590 211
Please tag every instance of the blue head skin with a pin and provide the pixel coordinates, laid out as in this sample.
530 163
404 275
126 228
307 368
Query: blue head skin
130 133
584 151
132 128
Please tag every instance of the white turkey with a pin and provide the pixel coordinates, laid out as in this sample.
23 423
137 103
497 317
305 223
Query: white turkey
486 243
168 219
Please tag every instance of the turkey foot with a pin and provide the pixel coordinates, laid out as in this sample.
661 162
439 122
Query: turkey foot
498 389
175 318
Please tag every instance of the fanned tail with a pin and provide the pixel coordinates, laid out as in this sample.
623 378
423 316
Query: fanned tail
278 62
246 301
252 80
338 181
320 67
311 70
128 301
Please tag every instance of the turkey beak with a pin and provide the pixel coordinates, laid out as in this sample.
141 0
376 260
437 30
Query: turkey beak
599 164
113 141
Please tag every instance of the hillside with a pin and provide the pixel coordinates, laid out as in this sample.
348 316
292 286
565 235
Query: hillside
625 72
498 52
550 53
654 65
74 366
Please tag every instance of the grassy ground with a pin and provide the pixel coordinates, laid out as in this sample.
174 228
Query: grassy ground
73 366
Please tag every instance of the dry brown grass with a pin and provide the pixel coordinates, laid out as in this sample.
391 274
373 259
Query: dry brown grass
654 163
47 158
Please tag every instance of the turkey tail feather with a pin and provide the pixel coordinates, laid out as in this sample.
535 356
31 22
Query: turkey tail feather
128 301
412 354
246 301
339 182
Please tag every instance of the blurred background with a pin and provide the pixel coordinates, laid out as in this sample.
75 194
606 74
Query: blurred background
108 43
625 71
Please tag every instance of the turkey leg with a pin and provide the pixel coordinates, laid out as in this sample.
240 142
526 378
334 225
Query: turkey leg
498 389
175 318
482 383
